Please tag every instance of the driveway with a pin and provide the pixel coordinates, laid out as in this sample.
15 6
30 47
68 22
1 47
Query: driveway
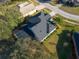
56 10
40 7
61 12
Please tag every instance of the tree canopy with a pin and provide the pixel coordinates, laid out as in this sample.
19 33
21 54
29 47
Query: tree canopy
9 19
29 49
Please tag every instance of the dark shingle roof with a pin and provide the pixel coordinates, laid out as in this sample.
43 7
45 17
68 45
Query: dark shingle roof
76 39
4 1
38 26
40 29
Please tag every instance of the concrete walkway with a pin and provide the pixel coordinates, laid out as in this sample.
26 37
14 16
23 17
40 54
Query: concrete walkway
39 7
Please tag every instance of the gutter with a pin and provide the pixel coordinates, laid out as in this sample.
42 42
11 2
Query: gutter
48 35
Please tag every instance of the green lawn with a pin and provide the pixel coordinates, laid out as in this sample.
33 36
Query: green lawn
47 11
53 2
54 43
72 10
10 17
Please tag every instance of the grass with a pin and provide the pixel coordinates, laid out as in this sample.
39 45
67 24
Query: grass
72 10
54 43
47 11
11 20
50 43
53 2
67 19
34 2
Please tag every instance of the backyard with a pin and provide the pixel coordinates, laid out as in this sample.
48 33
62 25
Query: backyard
55 42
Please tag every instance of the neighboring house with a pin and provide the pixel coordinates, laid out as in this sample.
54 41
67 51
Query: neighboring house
75 39
43 1
38 27
76 2
26 9
4 1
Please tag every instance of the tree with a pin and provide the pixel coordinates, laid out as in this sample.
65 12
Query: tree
58 20
29 49
9 19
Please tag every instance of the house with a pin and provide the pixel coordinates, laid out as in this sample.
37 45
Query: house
75 39
38 27
75 2
4 1
26 9
44 1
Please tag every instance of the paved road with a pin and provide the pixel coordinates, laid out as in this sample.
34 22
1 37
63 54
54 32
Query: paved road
60 12
40 7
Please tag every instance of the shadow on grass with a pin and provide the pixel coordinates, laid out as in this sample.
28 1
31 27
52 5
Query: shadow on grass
64 46
6 47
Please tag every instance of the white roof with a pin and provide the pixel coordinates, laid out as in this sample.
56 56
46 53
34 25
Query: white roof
26 9
23 4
